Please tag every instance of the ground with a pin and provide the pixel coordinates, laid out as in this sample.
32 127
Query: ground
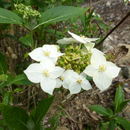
75 113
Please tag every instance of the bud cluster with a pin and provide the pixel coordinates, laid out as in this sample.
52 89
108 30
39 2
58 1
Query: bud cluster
74 58
26 11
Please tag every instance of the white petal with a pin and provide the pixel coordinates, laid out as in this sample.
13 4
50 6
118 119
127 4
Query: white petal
59 83
37 54
112 70
102 81
86 85
33 72
90 70
50 48
66 84
97 58
68 78
74 88
67 41
48 64
82 39
78 38
53 50
57 72
94 50
88 40
89 46
48 85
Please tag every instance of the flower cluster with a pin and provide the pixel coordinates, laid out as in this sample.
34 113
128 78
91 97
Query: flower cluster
54 69
26 11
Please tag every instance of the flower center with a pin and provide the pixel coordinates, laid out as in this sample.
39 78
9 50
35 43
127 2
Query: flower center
82 36
79 81
46 73
62 78
46 53
102 68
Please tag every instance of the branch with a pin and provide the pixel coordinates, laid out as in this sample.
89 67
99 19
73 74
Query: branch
113 29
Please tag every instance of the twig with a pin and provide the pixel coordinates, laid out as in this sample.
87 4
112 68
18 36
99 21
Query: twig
113 29
67 114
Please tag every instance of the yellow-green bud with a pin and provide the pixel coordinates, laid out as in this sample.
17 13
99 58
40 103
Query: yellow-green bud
74 58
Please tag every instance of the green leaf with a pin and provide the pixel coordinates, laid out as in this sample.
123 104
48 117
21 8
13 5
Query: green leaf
123 122
123 105
6 83
3 64
20 80
60 13
101 110
41 109
14 117
9 17
119 98
54 121
27 40
17 80
112 125
7 98
104 126
3 77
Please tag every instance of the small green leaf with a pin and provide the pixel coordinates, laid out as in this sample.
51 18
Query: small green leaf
7 98
3 64
112 125
104 126
2 123
119 98
60 13
6 83
123 122
20 80
14 117
3 77
41 109
9 17
123 105
27 40
17 80
54 121
101 110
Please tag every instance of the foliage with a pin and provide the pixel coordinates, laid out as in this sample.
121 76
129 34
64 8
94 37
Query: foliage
112 116
19 119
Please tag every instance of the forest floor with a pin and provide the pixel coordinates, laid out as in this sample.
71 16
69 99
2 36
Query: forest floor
76 107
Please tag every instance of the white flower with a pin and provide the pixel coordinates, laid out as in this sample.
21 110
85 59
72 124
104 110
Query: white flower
67 41
46 52
102 71
88 42
44 73
74 82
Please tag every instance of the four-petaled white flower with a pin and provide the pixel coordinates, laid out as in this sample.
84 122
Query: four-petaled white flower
88 42
46 52
74 82
102 71
45 73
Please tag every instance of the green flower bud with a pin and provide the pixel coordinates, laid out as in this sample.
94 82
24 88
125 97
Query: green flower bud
74 58
26 11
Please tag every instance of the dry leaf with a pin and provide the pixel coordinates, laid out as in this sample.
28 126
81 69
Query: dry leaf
62 128
125 60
